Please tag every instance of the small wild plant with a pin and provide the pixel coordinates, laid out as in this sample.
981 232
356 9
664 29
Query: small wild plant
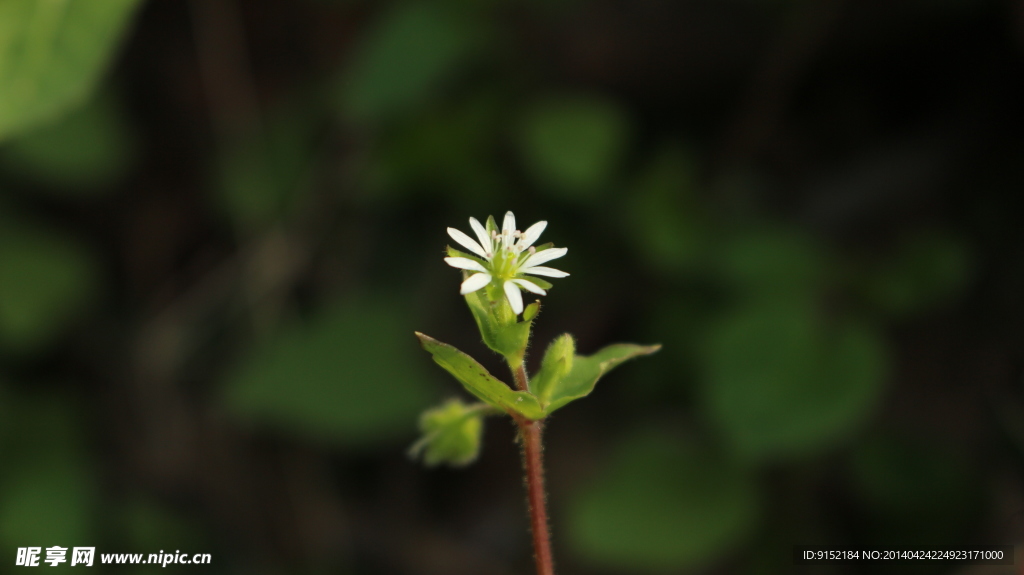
502 264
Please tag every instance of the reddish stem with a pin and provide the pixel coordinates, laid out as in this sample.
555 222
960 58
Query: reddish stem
533 464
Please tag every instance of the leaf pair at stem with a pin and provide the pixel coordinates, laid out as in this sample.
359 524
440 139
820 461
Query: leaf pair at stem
452 431
564 377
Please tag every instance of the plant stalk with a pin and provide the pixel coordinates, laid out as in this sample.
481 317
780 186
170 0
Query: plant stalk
533 466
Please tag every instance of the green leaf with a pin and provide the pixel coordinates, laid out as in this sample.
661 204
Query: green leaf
405 60
52 55
46 283
341 376
478 381
661 506
584 373
82 154
451 434
780 384
573 145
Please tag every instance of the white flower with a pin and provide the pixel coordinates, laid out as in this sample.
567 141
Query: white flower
506 258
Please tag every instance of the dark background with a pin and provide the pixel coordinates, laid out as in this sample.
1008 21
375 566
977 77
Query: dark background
221 221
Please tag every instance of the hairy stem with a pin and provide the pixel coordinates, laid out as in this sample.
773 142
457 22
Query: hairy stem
519 373
533 465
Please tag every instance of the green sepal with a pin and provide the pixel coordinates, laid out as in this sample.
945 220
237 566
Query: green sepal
542 284
454 253
585 371
531 311
480 307
492 225
501 310
514 337
478 381
451 433
509 338
557 363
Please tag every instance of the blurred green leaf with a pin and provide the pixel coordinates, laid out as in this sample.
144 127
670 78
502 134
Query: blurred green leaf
680 320
47 486
662 215
451 434
47 280
573 146
779 383
661 506
147 524
52 55
478 381
345 375
49 502
583 370
263 174
769 262
405 59
926 270
83 153
450 151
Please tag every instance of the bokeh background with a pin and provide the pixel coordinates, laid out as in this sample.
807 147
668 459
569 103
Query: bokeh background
221 221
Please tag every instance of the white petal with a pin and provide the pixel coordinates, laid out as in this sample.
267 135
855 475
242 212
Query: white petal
544 256
531 234
530 286
465 264
510 223
474 282
481 234
543 271
467 242
515 297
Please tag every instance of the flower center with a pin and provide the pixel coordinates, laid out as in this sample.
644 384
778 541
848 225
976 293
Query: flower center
504 264
505 261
